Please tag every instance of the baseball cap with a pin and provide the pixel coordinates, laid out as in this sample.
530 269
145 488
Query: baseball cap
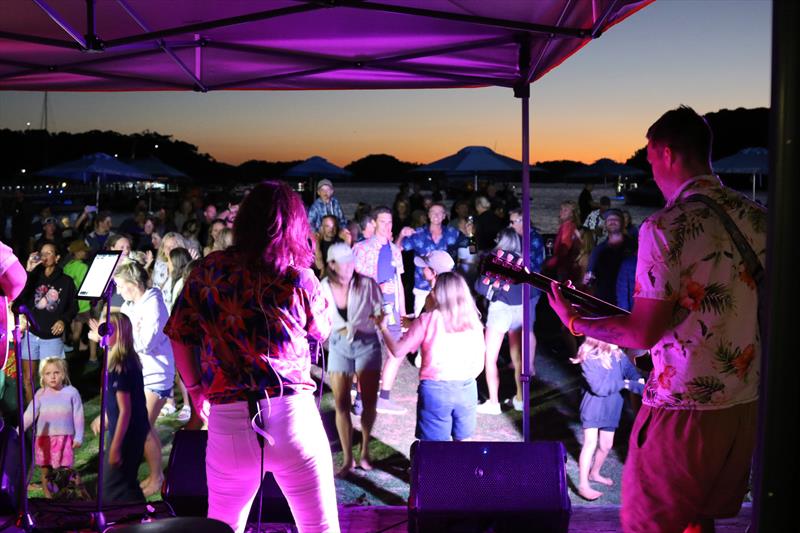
438 260
340 253
323 183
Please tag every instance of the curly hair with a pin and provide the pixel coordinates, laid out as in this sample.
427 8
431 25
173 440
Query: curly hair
272 228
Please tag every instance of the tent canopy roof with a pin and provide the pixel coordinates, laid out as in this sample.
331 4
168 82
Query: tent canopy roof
137 45
474 159
94 166
317 167
747 161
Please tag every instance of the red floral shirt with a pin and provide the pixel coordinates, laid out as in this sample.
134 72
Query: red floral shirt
254 329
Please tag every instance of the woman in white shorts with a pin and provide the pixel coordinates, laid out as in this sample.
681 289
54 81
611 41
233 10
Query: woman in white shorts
504 316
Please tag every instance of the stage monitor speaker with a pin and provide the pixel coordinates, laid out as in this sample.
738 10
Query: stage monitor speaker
186 490
11 469
488 486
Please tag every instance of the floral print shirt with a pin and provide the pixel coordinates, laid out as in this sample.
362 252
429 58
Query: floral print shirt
254 329
709 356
366 257
422 243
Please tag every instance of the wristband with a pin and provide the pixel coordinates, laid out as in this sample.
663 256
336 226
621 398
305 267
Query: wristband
571 326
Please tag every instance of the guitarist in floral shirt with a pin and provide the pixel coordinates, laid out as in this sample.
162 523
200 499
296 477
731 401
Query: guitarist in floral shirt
695 309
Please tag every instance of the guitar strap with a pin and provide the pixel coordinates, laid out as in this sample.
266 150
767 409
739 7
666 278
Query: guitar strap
752 264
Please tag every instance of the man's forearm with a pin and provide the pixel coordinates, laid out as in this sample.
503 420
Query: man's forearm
619 330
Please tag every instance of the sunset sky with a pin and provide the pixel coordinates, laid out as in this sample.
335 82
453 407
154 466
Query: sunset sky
709 54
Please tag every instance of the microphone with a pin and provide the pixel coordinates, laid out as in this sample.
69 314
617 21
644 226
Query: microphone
23 310
105 328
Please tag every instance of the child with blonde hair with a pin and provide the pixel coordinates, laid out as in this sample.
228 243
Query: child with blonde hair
606 372
126 415
58 412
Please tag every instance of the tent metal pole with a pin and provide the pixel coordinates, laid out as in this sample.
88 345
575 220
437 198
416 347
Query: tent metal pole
527 329
522 90
776 460
62 23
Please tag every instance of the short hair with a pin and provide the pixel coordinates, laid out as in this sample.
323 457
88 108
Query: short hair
438 204
380 210
115 238
334 218
271 228
482 202
685 132
101 216
364 221
605 201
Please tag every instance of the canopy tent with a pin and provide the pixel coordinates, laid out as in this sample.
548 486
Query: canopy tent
98 167
474 160
303 44
293 44
157 169
607 168
753 161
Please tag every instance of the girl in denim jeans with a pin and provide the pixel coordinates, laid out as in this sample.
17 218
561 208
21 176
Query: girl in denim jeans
451 340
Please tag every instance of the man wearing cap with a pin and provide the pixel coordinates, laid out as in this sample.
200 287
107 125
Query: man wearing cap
325 204
433 264
50 233
422 241
607 258
595 221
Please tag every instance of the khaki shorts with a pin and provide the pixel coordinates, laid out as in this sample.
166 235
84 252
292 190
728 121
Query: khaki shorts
684 465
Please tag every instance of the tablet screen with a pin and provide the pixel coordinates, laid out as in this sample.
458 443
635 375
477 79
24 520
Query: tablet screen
100 273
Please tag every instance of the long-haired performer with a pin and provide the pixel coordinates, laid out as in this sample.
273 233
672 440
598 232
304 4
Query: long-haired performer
255 312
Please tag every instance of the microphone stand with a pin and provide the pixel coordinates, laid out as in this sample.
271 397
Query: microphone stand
98 518
24 518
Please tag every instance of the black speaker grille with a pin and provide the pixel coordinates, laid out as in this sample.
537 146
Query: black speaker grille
477 477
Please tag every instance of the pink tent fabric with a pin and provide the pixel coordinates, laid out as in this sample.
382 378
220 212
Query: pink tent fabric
140 45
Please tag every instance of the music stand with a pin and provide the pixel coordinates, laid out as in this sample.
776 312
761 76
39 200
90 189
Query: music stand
98 284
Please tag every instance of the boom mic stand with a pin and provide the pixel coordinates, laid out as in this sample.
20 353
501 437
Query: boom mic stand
24 518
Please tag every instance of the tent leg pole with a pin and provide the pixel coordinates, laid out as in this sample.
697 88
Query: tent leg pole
527 329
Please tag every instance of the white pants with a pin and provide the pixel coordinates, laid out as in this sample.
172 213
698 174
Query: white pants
419 300
300 460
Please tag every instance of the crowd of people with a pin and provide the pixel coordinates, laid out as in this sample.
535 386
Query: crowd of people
218 315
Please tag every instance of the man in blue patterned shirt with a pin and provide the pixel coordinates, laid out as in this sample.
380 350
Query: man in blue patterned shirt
422 241
324 205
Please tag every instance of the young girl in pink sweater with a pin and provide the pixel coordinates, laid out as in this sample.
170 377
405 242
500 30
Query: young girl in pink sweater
58 412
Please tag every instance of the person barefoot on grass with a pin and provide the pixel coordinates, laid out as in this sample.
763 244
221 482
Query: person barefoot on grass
353 348
606 372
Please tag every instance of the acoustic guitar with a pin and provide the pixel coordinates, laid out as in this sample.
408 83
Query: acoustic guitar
505 268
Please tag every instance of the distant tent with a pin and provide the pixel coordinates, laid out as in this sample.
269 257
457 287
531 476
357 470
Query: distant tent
157 169
473 161
607 168
753 161
317 167
97 167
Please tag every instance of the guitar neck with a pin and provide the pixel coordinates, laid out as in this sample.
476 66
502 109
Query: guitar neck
588 304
